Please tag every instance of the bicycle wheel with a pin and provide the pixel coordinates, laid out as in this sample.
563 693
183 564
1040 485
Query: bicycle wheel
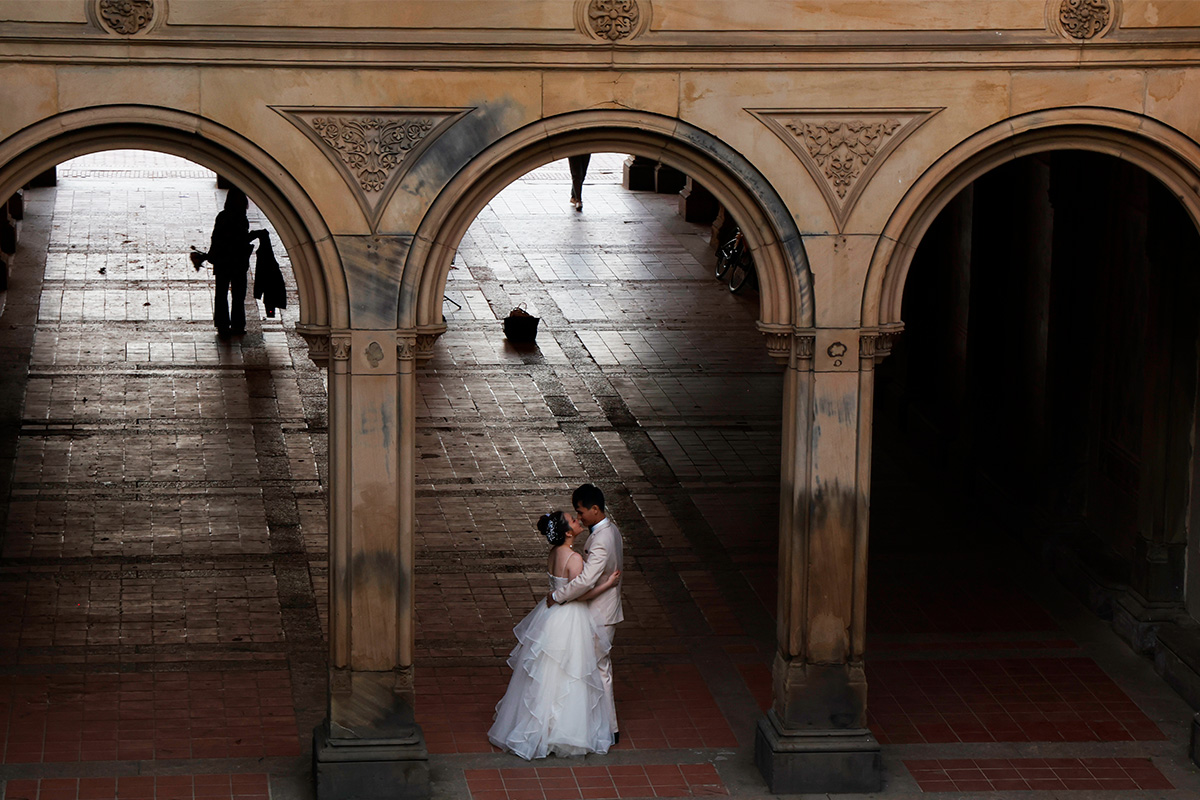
726 257
741 272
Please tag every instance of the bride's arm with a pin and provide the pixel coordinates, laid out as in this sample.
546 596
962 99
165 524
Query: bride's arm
602 586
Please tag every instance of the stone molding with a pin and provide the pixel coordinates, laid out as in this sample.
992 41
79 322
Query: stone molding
127 17
612 21
1079 20
373 148
842 148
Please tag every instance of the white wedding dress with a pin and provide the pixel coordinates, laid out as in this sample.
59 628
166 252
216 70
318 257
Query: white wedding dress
555 701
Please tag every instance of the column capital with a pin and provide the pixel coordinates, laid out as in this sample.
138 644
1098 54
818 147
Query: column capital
339 345
784 341
317 339
426 336
406 345
875 344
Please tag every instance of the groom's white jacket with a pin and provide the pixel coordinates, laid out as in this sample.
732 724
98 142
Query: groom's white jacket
603 557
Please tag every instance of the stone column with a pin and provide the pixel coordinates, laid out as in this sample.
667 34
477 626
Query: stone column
815 737
638 174
370 746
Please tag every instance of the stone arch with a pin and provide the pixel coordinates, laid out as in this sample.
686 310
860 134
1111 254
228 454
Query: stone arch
1164 152
301 228
784 278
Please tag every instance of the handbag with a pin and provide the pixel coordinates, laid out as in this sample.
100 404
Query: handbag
520 326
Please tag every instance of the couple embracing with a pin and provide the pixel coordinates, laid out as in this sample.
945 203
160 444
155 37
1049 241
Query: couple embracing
560 698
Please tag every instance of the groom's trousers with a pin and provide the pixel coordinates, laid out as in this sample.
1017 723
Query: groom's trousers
605 667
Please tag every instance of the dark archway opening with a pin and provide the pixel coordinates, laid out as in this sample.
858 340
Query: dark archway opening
1039 410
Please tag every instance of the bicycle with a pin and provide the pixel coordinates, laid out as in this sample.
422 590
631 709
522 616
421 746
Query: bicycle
734 260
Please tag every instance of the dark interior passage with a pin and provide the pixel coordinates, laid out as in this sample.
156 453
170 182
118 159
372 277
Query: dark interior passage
1035 419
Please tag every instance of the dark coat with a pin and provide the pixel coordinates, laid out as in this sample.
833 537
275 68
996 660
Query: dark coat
268 280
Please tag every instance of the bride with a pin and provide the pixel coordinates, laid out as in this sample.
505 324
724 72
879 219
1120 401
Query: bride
555 701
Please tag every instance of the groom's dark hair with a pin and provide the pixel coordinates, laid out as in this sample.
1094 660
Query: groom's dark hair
588 496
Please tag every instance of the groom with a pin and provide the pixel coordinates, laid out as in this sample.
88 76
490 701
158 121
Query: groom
603 557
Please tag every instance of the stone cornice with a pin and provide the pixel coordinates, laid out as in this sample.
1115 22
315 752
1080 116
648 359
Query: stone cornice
522 49
181 53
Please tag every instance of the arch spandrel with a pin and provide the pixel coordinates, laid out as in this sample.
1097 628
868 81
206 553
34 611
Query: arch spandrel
301 229
785 279
1164 152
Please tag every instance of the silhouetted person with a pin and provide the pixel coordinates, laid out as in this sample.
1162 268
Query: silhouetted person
229 254
578 165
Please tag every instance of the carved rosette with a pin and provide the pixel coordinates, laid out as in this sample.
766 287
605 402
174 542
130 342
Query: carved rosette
373 148
1085 19
842 148
612 20
124 17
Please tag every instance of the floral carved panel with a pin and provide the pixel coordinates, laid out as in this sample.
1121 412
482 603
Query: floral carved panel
373 148
842 148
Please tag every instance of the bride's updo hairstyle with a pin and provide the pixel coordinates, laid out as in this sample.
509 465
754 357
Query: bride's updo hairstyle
554 527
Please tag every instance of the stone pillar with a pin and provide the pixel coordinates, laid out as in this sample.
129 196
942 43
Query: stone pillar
638 174
815 737
697 204
668 180
370 745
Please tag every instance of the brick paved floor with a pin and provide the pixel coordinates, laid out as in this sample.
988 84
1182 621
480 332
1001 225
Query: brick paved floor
163 566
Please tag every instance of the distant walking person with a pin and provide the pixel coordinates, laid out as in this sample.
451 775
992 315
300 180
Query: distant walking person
579 165
229 253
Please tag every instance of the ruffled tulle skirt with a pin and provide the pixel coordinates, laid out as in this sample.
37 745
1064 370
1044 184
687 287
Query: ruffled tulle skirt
555 701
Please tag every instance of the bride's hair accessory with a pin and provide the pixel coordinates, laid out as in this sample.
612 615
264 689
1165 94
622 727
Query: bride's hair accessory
554 527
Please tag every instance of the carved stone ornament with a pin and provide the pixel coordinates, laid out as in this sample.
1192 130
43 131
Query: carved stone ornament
877 344
373 148
406 347
612 20
374 354
842 148
339 347
318 345
125 17
1085 19
340 681
806 345
779 345
426 336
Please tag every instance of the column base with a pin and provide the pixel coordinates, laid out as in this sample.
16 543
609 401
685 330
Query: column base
370 769
830 761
